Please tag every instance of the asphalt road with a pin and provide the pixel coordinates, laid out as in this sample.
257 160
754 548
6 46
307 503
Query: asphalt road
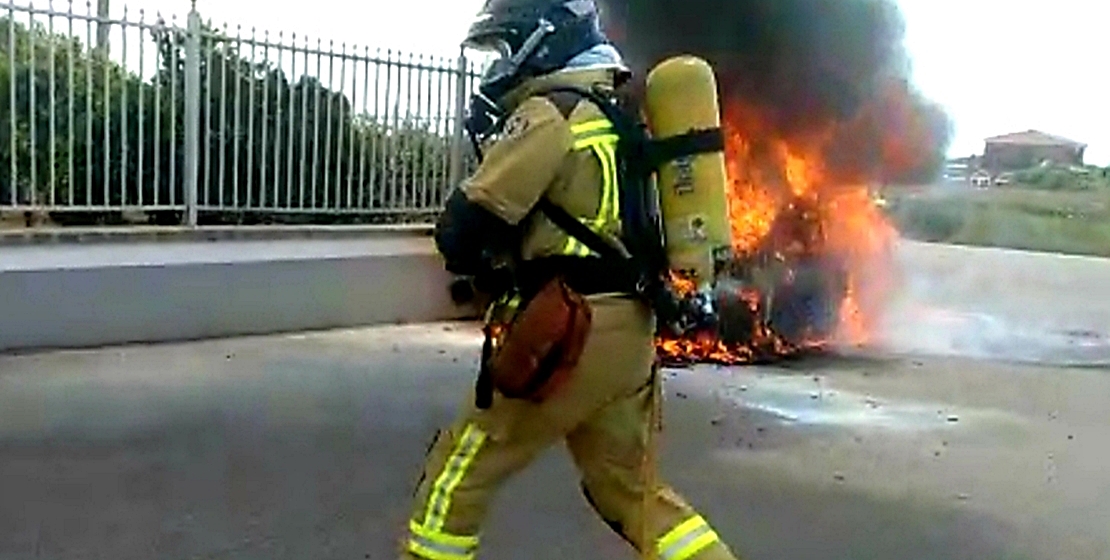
976 428
308 446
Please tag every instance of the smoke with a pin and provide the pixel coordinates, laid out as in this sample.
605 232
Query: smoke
802 64
919 323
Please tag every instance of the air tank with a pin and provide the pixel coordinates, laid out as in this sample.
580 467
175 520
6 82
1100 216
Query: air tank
681 97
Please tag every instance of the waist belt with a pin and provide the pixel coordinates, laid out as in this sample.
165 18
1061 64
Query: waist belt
585 275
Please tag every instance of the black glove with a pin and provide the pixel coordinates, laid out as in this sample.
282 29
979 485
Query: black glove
493 280
462 290
466 234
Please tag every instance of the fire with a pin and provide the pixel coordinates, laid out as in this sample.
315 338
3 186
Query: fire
801 225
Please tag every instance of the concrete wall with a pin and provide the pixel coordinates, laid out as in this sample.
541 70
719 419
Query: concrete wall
90 294
214 283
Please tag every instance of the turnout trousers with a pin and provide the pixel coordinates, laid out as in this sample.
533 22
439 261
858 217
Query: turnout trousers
603 416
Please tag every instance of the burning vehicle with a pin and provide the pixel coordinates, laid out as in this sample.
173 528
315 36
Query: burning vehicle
818 112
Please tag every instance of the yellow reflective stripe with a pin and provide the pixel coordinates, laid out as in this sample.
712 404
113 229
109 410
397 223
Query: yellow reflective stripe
681 531
435 545
595 140
510 301
597 136
440 537
590 126
589 133
431 551
606 152
575 248
607 188
609 205
687 540
439 502
515 302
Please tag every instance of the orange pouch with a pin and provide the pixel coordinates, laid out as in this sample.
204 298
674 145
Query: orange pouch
542 345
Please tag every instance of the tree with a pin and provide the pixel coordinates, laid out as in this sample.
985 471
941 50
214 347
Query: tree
271 149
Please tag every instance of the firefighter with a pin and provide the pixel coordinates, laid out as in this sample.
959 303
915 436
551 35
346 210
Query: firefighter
559 148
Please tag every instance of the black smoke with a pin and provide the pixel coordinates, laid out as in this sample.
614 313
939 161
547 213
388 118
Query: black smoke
801 63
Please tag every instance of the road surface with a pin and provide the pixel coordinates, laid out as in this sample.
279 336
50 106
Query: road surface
976 428
307 446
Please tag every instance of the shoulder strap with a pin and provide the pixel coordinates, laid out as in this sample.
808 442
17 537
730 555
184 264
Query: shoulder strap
640 238
579 231
647 261
559 95
566 98
657 152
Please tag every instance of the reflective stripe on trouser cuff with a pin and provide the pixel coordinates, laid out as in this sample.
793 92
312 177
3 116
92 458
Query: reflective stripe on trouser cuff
435 545
439 500
687 540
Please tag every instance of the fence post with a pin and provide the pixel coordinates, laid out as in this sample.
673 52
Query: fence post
192 114
461 75
103 27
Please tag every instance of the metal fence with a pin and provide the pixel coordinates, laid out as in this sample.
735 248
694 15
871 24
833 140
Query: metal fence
106 117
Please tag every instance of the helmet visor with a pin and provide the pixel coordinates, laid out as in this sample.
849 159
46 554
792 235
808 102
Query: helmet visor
487 47
483 60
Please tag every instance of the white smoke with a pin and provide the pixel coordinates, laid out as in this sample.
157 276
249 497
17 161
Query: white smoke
998 305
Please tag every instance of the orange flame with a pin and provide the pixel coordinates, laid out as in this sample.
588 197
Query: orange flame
789 205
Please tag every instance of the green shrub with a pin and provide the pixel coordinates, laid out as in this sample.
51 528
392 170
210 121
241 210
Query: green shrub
1037 220
929 219
1056 178
997 227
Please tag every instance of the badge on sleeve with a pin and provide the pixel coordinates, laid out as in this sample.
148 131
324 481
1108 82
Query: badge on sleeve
515 126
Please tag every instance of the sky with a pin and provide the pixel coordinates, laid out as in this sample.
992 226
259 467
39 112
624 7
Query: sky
997 66
1003 66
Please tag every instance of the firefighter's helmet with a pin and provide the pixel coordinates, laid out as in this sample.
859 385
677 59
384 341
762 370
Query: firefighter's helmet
543 35
530 38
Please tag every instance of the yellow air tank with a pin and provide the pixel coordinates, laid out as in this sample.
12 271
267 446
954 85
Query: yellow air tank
681 98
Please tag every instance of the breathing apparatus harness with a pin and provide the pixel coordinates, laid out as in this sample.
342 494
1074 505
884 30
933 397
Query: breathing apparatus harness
644 267
638 265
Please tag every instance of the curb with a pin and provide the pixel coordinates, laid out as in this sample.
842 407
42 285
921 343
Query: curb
172 234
